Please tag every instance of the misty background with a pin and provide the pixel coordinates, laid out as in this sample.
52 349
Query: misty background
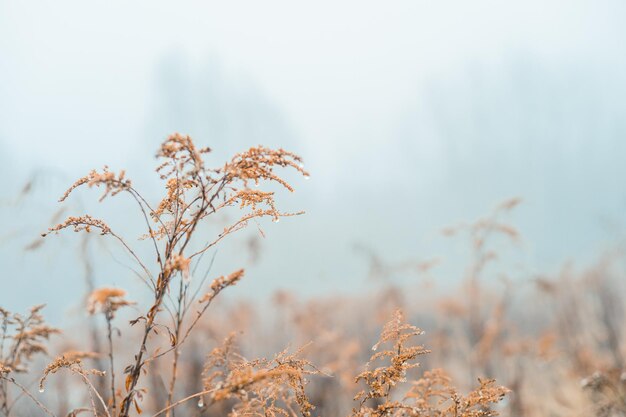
410 116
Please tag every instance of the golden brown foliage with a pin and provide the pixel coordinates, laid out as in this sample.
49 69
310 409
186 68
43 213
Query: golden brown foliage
192 193
260 387
21 338
225 382
107 300
431 395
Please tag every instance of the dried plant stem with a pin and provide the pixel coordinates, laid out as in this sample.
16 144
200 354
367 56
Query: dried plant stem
170 393
134 255
4 395
177 327
193 192
141 201
161 289
91 286
93 403
111 362
135 372
184 400
91 389
180 341
27 393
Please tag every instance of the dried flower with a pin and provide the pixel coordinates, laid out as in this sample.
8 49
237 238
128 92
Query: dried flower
113 184
106 300
177 263
82 223
220 283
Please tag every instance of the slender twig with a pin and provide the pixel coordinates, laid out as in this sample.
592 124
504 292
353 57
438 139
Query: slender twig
202 281
191 326
135 194
109 317
26 392
179 402
133 254
177 326
95 391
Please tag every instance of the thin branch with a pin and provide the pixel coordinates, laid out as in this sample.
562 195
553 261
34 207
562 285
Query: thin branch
112 365
25 391
179 402
90 386
203 280
132 192
146 270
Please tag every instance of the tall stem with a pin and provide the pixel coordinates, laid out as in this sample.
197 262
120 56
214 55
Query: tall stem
111 363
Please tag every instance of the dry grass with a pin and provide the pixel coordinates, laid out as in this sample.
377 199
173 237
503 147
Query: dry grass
557 346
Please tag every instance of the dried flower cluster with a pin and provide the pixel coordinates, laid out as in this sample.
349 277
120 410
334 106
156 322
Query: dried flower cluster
221 283
260 387
107 300
258 164
81 223
21 338
113 184
431 395
192 193
26 336
381 380
73 363
224 382
58 363
177 263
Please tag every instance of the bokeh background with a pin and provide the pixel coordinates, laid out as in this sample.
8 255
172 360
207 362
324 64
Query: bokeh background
410 115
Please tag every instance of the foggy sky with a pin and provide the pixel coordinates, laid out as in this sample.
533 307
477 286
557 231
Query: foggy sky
410 115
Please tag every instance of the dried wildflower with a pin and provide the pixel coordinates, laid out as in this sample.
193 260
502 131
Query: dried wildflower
380 381
181 153
258 164
261 387
74 364
174 200
192 193
21 338
79 354
4 369
58 363
107 300
177 263
28 335
431 395
113 184
220 283
82 223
